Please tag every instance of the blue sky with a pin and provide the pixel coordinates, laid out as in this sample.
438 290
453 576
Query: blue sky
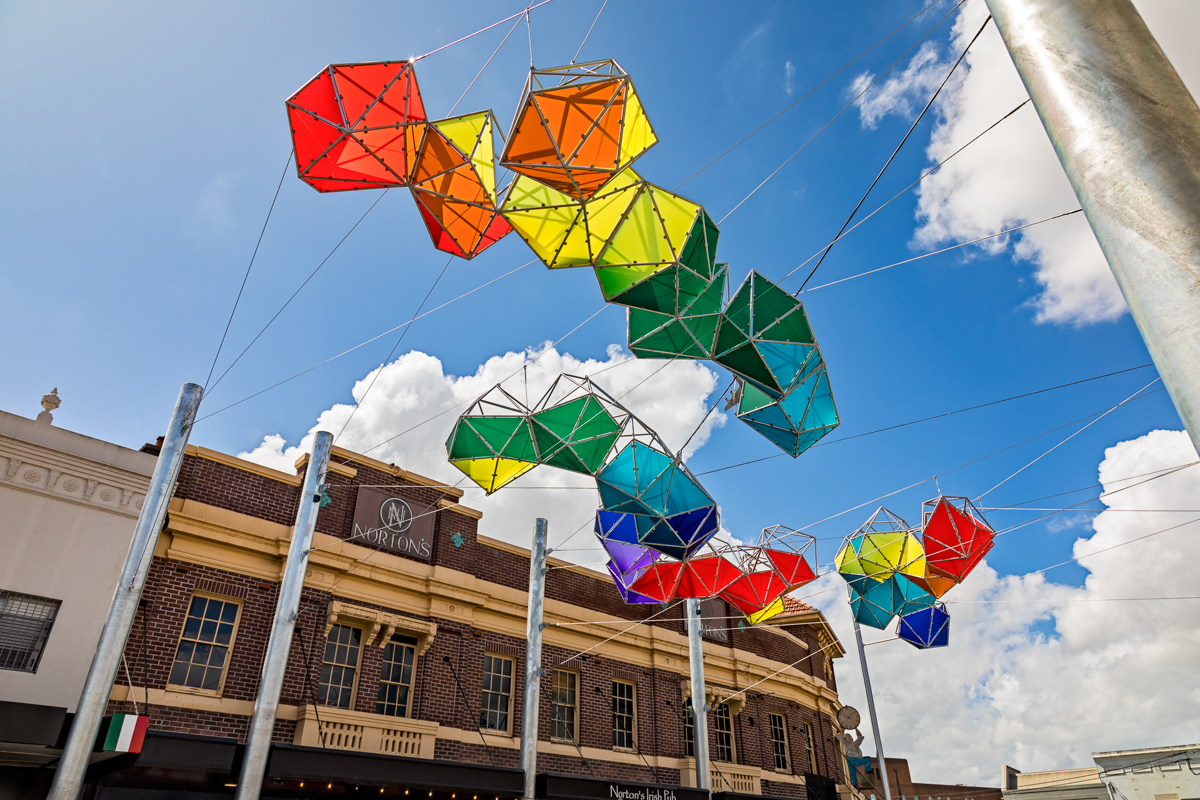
146 142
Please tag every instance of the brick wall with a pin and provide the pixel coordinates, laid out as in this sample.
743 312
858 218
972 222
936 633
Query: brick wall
448 677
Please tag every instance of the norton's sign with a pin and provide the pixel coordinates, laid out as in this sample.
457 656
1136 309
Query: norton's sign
618 792
393 524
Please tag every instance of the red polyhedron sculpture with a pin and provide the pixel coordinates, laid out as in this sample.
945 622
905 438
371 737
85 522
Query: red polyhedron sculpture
955 536
357 126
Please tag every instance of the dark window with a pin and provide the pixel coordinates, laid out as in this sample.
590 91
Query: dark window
204 645
563 706
723 724
339 665
25 623
497 693
624 703
713 620
779 745
396 677
807 745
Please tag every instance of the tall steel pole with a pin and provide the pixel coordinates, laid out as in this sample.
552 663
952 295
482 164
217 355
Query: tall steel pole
68 777
533 657
699 699
266 704
1128 134
862 659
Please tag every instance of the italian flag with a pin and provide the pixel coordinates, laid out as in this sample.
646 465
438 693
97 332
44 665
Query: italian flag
126 733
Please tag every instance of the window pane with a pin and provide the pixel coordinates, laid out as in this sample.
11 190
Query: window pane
340 666
623 714
723 725
779 742
200 629
563 705
497 686
395 680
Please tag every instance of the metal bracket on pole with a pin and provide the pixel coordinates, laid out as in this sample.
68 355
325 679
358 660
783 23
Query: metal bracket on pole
1127 132
68 777
700 707
266 704
533 657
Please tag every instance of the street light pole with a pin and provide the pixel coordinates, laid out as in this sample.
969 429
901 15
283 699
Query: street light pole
73 764
533 657
1128 135
699 698
266 704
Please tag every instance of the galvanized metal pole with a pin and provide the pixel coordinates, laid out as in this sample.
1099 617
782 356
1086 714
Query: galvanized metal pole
862 659
533 657
97 688
699 701
266 704
1128 134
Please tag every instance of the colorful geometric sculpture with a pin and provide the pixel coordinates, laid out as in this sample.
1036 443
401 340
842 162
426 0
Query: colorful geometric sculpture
454 184
671 512
956 537
927 628
754 591
892 573
882 547
577 126
626 564
688 332
357 126
876 602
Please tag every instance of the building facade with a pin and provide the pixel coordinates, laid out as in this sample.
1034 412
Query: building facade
407 667
1152 773
68 507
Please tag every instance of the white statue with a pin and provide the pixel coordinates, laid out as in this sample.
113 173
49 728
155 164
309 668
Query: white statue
853 744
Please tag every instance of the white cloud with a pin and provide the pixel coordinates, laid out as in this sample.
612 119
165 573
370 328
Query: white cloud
414 388
1012 176
789 78
903 92
1045 673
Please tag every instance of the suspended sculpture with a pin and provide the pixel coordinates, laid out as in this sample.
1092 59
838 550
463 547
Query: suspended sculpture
655 519
892 572
577 202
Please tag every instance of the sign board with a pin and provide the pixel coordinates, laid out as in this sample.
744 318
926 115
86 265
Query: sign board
394 524
564 787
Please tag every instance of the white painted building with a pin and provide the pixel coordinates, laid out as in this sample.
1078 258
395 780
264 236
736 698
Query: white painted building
68 507
1153 773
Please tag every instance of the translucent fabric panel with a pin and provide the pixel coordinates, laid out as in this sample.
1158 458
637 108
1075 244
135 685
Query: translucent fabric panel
491 474
762 615
793 568
706 576
616 526
636 134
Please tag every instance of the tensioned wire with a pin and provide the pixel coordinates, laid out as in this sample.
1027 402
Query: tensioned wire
368 341
936 416
896 152
246 277
903 191
791 105
523 11
835 117
399 339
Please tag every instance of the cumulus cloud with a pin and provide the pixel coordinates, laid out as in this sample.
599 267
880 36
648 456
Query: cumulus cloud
903 93
1039 674
1011 177
416 402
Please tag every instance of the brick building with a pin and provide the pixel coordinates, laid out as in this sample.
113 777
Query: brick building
406 670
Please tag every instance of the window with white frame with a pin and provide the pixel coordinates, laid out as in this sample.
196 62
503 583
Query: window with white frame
779 742
497 693
396 677
624 713
564 704
203 650
723 727
809 755
339 666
